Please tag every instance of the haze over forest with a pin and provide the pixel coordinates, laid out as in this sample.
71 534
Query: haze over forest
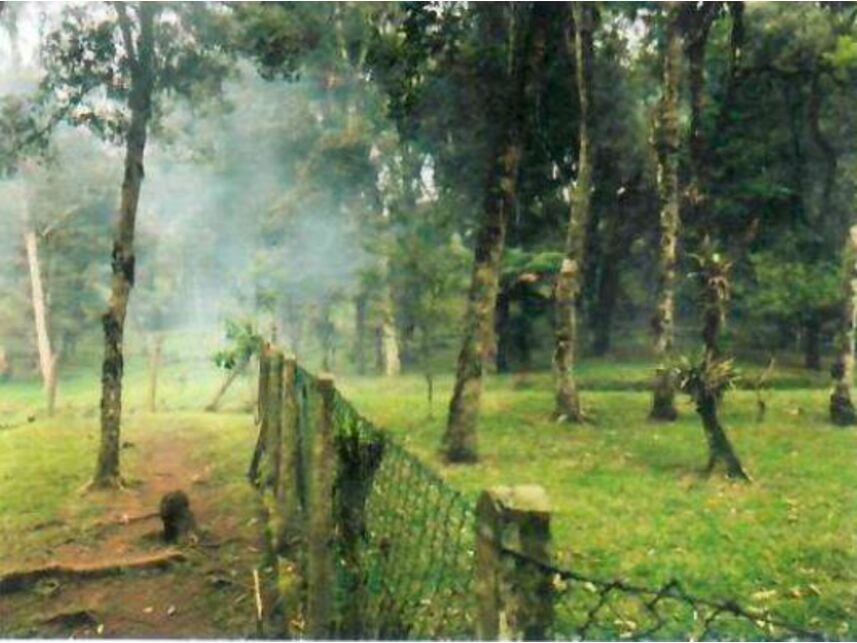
357 284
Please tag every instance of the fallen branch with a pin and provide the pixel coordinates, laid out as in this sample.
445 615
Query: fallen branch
75 619
18 580
236 370
124 520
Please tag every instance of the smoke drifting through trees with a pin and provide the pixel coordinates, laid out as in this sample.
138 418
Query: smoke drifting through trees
332 191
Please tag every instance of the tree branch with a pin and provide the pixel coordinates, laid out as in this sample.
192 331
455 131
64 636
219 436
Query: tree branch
127 37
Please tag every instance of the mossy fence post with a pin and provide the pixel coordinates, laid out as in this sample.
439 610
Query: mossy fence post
515 598
273 423
321 537
359 456
261 415
289 531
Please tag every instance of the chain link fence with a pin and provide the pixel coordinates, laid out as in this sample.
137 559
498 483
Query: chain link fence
378 546
589 608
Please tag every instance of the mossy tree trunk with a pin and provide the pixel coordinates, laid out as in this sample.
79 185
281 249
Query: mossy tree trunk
570 280
715 276
141 56
721 455
666 148
842 410
504 92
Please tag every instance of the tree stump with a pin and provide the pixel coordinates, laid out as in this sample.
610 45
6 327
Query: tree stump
176 515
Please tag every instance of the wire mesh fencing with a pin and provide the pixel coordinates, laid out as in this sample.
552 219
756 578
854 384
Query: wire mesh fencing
416 543
589 608
372 544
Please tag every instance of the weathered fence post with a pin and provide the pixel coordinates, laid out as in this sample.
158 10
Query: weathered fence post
321 540
261 413
359 456
515 597
274 420
289 532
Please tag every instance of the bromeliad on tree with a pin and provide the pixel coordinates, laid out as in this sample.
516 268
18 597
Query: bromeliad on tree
705 380
708 377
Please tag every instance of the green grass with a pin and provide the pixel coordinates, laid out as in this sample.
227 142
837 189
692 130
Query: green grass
628 500
46 462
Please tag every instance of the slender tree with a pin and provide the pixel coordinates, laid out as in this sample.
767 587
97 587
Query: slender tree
667 149
841 405
570 281
140 52
132 53
504 79
707 381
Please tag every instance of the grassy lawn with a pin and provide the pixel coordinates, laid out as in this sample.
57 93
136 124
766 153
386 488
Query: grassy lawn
45 463
627 497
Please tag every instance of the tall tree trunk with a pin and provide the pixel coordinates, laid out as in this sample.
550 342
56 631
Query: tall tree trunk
841 405
156 342
698 19
608 289
360 333
666 147
504 110
570 281
715 277
113 320
47 358
503 329
391 364
812 343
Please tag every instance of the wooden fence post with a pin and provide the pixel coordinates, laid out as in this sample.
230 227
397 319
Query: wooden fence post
359 455
290 531
261 413
274 420
321 540
515 597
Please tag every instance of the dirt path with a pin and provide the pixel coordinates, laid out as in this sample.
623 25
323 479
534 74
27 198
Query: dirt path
210 594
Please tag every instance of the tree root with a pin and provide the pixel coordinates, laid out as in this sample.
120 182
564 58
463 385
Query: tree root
18 580
74 618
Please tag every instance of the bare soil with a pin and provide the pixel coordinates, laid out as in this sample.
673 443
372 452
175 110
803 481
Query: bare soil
209 594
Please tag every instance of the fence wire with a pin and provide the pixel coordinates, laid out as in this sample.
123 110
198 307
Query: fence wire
417 546
408 572
588 608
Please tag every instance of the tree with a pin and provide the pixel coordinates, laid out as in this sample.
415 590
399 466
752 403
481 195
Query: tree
841 405
667 150
707 380
503 89
570 280
20 127
130 54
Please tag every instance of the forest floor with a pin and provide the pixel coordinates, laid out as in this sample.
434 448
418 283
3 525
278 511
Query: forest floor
208 592
628 497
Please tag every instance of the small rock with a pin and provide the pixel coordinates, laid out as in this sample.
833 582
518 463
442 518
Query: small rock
171 610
